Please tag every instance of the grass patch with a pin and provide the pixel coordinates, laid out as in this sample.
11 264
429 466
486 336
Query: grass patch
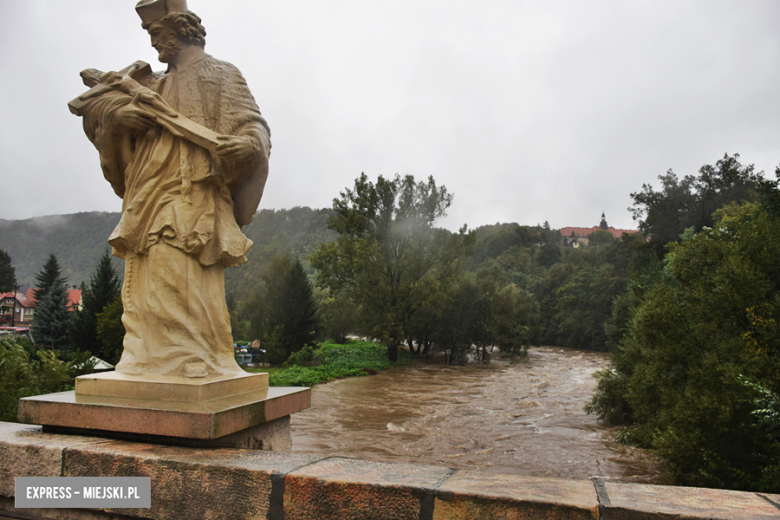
352 359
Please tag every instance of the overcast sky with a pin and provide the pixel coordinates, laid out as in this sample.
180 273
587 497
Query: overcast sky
526 110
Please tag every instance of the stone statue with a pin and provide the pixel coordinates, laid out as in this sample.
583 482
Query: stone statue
187 151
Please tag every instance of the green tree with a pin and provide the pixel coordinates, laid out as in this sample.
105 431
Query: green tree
48 277
104 288
548 255
515 320
464 320
110 330
691 201
337 316
600 238
52 318
7 273
389 258
693 338
286 313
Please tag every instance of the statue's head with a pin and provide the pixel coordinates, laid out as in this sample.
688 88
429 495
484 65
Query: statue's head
171 27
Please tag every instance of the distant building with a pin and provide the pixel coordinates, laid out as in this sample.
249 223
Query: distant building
22 306
74 298
577 236
16 309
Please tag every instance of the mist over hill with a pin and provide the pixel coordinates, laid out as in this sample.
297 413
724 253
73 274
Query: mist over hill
79 239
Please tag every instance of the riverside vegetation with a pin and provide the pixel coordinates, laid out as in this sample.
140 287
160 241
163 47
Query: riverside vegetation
331 361
689 316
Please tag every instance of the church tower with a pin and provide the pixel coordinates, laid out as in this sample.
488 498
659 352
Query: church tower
603 225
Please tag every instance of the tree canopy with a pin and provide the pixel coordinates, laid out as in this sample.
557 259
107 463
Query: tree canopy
695 369
48 277
389 257
691 201
52 318
104 288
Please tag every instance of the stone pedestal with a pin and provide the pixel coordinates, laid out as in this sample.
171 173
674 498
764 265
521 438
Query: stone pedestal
241 411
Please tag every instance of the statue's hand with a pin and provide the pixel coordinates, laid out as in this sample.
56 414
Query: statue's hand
150 97
235 148
134 116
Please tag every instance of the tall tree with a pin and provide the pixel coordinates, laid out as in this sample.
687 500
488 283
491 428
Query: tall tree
104 288
337 316
287 311
7 273
50 275
389 257
52 318
111 331
691 201
464 320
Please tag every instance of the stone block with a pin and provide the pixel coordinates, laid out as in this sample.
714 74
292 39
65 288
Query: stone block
7 510
340 488
645 502
25 451
180 389
190 483
469 494
268 436
773 499
191 420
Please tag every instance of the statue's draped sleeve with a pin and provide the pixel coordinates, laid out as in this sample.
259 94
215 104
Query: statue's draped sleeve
239 115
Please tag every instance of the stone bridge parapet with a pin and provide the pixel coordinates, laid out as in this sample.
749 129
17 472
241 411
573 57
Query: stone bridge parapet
227 483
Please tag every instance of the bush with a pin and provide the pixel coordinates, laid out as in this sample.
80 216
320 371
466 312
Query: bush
303 357
356 358
23 375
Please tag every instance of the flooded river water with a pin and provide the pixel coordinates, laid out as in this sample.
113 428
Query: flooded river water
525 419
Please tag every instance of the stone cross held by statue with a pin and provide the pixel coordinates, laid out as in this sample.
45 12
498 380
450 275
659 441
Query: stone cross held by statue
128 80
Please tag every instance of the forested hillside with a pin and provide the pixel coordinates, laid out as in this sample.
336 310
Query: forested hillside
77 240
295 231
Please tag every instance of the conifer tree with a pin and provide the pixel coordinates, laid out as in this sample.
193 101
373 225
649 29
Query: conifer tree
104 288
50 275
52 318
7 273
290 312
111 331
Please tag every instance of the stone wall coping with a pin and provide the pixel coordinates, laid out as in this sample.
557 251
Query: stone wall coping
228 483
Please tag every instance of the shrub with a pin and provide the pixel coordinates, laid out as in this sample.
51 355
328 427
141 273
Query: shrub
356 358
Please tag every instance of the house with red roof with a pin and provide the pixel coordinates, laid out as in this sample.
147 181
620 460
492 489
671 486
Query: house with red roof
576 236
74 298
16 310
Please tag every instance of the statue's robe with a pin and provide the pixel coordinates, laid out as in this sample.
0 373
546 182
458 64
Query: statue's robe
180 227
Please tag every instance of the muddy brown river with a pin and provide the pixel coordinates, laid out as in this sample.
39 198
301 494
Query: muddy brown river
524 419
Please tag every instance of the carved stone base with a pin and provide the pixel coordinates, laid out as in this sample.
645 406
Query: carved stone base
268 436
180 389
176 420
